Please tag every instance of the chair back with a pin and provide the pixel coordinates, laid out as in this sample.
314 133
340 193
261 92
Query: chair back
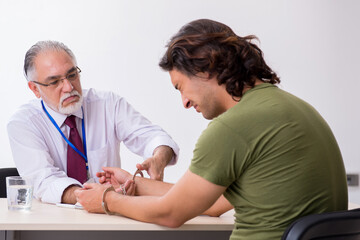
332 225
5 172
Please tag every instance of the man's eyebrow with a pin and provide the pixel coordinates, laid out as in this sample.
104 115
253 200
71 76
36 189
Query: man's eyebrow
50 78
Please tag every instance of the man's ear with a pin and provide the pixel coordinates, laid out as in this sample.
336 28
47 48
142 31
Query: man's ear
34 88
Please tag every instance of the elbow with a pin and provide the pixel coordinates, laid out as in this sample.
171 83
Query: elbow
172 223
170 216
171 219
214 214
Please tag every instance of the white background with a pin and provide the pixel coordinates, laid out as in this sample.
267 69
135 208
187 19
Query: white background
312 44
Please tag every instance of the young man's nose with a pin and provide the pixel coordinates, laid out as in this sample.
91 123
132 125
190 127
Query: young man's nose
186 102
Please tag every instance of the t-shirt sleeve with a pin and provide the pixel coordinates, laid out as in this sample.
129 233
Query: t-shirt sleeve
219 155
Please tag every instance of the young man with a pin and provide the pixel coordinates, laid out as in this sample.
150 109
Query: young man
270 154
65 136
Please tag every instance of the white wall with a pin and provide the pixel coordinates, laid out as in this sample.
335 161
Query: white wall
312 45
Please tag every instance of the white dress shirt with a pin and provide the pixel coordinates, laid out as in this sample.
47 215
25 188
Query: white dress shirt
39 151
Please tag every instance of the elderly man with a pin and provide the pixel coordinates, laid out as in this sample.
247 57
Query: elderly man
65 136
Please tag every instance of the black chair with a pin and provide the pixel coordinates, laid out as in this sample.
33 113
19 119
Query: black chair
5 172
333 225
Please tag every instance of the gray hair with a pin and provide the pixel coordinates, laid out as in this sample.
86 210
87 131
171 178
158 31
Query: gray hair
39 47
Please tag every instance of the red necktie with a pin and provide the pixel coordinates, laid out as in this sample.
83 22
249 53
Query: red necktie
76 166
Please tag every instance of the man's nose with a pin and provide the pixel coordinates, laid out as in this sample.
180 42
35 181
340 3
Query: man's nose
67 86
186 102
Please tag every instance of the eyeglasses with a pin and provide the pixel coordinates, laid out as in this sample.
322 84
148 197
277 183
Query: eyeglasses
71 76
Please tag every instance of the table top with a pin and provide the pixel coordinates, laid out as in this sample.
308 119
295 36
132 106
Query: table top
353 205
44 216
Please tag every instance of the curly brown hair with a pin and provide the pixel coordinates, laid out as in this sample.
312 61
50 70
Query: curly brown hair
211 47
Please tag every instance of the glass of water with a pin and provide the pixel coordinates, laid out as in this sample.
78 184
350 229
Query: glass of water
19 192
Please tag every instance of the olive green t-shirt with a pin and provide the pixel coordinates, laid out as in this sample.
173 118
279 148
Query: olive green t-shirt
278 159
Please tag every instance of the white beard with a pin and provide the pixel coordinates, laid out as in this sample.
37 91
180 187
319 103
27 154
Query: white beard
73 107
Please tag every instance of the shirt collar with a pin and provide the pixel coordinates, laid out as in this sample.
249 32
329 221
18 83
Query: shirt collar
59 117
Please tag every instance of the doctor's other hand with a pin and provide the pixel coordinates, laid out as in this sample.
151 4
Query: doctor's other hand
155 165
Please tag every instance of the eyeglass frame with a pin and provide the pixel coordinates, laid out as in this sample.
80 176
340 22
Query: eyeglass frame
54 83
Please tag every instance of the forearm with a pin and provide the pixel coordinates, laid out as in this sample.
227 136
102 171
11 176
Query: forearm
150 187
144 208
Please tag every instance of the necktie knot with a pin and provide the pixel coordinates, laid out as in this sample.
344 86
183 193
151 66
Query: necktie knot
70 121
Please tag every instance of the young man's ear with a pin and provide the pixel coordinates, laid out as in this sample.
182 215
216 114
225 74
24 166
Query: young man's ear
34 88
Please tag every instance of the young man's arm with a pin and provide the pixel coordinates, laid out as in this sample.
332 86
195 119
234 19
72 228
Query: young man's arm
148 187
188 198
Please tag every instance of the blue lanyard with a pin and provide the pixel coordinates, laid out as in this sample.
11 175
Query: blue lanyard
67 140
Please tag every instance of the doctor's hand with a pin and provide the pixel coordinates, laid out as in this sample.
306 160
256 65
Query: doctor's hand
155 165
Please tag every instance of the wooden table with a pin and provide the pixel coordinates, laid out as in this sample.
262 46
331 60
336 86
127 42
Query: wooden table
47 221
